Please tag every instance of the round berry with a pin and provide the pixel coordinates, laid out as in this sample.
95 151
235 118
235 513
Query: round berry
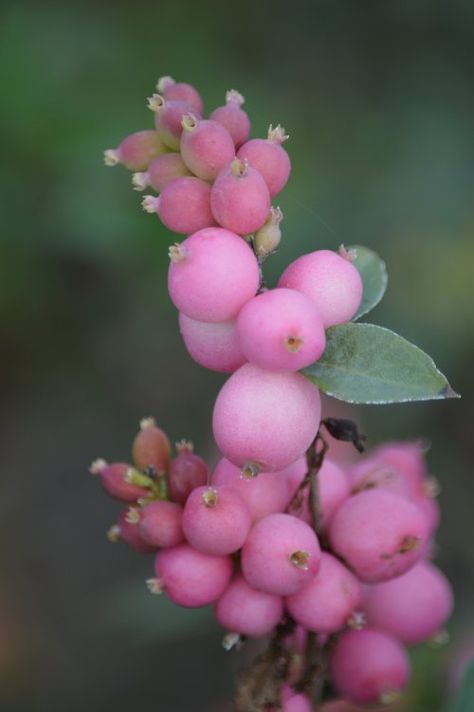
114 482
136 151
180 91
187 471
240 200
184 205
233 117
368 666
265 420
151 447
206 146
331 282
161 171
216 520
168 118
213 345
212 274
128 531
160 524
269 158
281 330
281 555
244 610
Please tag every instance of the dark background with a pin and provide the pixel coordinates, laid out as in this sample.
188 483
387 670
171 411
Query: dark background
378 100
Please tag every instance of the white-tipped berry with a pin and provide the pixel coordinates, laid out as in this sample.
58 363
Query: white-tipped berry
163 83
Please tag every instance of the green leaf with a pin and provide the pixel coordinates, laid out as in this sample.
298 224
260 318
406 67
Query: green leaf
374 278
364 363
465 698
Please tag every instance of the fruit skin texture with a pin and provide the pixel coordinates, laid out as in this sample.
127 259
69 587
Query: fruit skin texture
160 524
413 607
331 282
244 610
184 205
206 147
281 330
151 447
379 534
161 171
216 520
187 471
137 150
240 200
113 481
270 160
191 578
266 555
366 664
213 345
265 494
264 417
168 118
214 275
233 118
328 600
180 91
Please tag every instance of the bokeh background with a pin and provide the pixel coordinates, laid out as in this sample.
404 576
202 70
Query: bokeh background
378 99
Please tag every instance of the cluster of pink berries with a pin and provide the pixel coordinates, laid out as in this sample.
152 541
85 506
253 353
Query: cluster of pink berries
244 539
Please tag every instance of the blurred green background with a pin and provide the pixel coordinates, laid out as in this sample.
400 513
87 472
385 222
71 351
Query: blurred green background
378 99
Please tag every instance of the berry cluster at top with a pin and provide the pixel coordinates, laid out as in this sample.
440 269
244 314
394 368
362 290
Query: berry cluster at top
246 539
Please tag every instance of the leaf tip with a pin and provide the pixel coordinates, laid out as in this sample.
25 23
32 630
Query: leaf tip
448 392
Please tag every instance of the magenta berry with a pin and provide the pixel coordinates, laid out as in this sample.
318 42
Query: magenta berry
233 117
187 471
151 447
379 534
160 524
183 206
168 118
161 171
128 531
240 200
206 146
244 610
281 330
216 520
213 345
331 282
190 578
136 151
265 494
212 274
296 702
368 666
180 91
413 607
326 603
265 420
281 555
269 158
114 482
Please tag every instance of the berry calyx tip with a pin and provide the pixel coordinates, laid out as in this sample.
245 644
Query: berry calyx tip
277 134
177 253
97 466
111 157
234 97
140 181
239 168
155 102
163 83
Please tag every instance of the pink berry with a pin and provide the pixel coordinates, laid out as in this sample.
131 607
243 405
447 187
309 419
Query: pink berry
265 494
161 171
151 447
212 274
180 91
191 578
327 602
397 466
331 282
187 471
113 479
265 420
206 146
368 666
269 158
168 118
184 205
216 520
136 151
128 531
244 610
281 555
297 702
240 200
160 524
213 345
379 534
413 607
333 491
233 117
281 330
